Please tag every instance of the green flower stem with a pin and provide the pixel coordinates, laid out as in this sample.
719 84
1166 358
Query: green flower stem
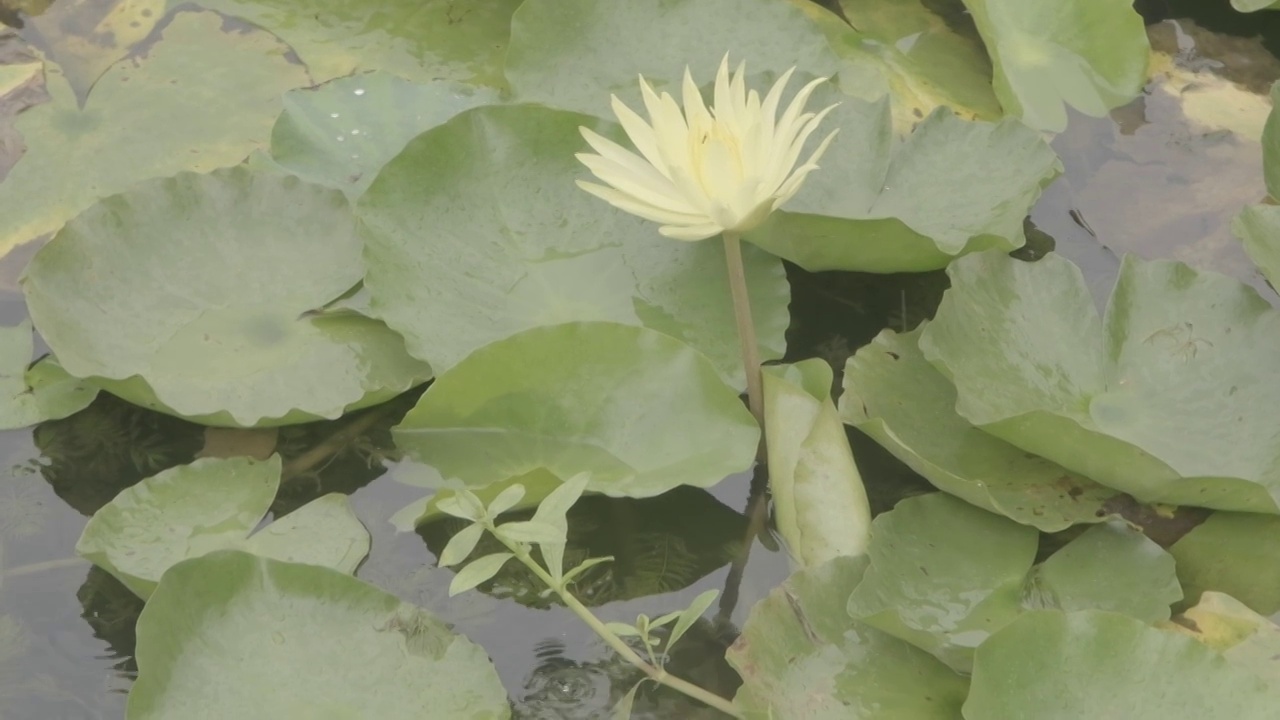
32 568
655 673
746 327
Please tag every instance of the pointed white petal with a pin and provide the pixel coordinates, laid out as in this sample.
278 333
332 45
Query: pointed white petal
647 187
630 204
691 233
640 132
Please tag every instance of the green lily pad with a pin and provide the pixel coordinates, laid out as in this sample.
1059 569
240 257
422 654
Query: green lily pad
85 37
578 398
419 40
31 394
1271 145
476 231
801 656
880 205
214 504
169 299
1244 637
1254 5
1258 227
340 134
234 635
1052 665
146 118
1169 399
1088 54
921 58
944 575
894 395
1234 553
573 54
1110 567
819 501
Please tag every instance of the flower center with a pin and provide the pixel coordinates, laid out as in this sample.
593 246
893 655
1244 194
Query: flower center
717 160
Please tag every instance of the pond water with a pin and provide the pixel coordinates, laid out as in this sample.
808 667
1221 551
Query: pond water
1148 180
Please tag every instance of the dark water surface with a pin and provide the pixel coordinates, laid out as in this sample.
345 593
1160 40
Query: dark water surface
1137 182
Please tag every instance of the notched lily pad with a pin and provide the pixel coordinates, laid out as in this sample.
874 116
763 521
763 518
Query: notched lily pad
894 395
579 397
800 655
878 204
1234 553
234 635
194 295
214 504
1170 398
31 394
476 231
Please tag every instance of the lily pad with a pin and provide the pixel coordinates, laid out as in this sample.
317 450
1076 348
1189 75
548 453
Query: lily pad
1254 5
819 501
85 37
233 635
476 231
1244 637
31 394
1258 227
944 575
1234 553
1110 567
923 59
214 504
340 134
1170 398
146 118
193 295
1053 665
894 395
419 40
1088 54
573 54
801 656
880 205
578 398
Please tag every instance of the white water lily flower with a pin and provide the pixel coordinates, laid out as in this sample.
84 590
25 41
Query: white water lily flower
704 171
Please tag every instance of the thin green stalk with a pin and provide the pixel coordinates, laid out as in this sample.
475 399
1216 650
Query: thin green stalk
32 568
746 327
655 673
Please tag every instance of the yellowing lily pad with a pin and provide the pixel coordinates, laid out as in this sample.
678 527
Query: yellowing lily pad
214 504
476 231
85 37
579 397
1169 398
234 635
147 117
194 295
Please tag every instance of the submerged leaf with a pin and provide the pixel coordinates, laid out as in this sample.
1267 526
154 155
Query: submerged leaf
194 295
232 635
819 501
578 398
1168 399
213 504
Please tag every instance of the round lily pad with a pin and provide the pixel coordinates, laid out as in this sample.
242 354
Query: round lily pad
195 295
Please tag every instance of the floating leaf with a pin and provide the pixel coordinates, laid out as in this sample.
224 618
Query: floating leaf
894 395
944 575
1110 567
340 134
1245 638
85 37
232 635
214 504
1088 54
30 395
146 118
1234 553
476 232
819 501
217 328
920 56
1169 399
1258 227
419 40
576 398
573 54
801 656
879 205
1052 665
1254 5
